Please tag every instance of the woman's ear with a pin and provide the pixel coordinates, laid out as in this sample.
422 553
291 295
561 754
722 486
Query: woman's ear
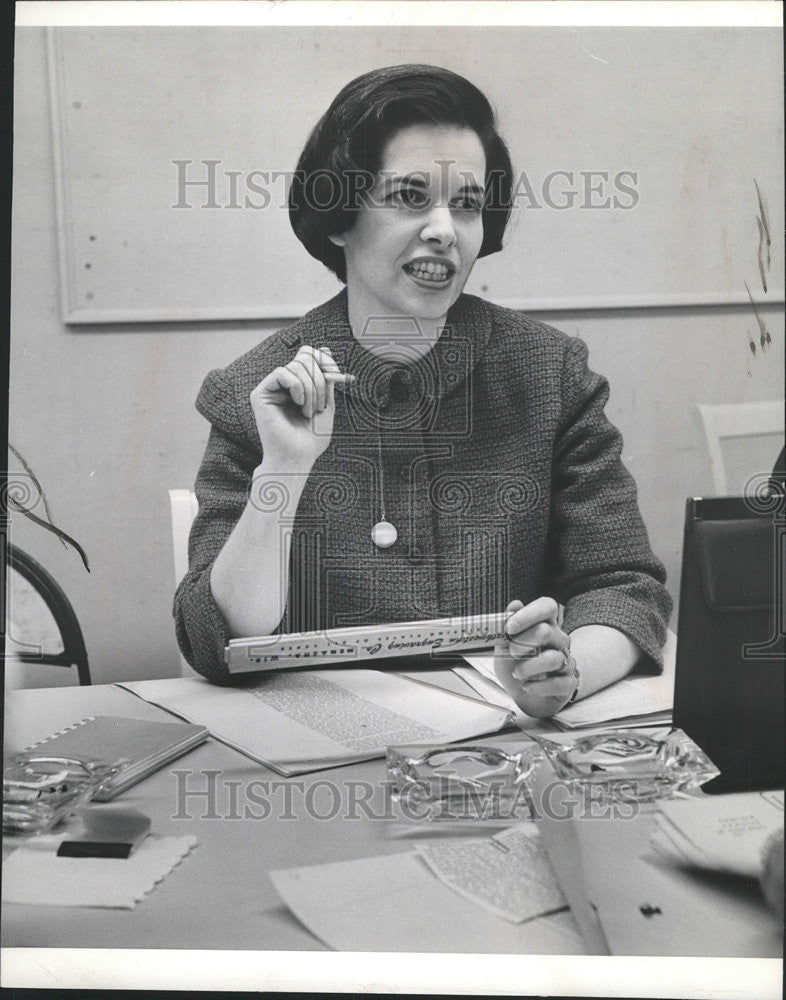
339 241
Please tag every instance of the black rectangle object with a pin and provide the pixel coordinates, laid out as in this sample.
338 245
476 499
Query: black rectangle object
93 849
729 684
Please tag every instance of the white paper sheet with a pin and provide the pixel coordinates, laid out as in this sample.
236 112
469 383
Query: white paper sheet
300 721
394 903
722 833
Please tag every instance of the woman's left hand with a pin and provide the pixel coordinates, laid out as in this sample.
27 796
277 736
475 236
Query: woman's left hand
534 664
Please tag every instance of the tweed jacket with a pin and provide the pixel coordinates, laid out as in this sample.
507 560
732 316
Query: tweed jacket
491 455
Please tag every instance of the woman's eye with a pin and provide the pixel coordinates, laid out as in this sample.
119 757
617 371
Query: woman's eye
469 204
408 197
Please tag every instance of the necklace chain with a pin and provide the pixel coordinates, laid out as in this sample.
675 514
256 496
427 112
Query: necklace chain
383 533
381 469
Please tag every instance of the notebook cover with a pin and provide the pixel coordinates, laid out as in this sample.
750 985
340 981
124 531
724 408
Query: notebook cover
146 746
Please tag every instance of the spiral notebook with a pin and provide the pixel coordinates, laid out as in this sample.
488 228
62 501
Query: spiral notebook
142 745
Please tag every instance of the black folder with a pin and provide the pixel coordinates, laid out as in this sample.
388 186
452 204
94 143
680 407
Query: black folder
729 683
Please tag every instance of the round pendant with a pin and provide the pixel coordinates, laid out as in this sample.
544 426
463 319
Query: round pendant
383 534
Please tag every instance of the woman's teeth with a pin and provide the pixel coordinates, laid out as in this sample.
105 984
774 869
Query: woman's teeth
429 271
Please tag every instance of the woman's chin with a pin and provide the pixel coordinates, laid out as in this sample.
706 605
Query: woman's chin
432 303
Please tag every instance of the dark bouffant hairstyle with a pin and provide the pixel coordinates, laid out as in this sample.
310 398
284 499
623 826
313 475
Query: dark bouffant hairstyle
344 152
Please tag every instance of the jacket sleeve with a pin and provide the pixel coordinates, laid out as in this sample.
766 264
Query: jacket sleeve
604 569
222 489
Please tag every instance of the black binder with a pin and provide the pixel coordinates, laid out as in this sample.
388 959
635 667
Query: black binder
729 684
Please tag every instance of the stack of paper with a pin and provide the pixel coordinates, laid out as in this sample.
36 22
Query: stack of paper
639 700
720 833
300 721
636 700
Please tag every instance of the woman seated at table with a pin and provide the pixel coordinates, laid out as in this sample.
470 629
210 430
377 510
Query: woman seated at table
406 451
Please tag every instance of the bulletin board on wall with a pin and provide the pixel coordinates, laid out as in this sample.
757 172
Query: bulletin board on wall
637 154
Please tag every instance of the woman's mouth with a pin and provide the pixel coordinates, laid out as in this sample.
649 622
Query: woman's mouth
430 272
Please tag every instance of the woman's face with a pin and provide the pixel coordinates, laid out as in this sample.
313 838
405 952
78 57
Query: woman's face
417 236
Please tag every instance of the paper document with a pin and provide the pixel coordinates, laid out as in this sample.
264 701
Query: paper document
637 700
508 874
394 903
300 721
722 833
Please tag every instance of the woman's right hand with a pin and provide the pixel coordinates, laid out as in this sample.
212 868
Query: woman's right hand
294 407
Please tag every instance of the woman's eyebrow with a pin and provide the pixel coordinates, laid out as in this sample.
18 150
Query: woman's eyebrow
419 179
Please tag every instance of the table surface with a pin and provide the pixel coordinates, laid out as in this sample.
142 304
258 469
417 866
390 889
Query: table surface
221 896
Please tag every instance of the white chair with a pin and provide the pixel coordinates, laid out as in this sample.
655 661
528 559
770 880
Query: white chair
183 509
743 440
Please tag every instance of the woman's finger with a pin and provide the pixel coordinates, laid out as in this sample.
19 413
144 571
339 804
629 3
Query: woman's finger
308 380
330 368
544 635
323 356
334 377
332 373
550 663
538 693
279 382
542 609
326 360
306 362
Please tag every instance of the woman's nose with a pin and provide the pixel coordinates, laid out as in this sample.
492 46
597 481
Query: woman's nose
439 227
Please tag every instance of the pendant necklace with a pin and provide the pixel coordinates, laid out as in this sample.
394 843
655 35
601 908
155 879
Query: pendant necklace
383 534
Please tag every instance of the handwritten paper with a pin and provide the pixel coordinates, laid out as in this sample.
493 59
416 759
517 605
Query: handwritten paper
508 874
301 721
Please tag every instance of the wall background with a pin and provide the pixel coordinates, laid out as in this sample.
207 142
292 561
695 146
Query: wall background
593 117
105 417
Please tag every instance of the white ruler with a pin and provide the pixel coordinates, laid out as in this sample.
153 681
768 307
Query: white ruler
365 642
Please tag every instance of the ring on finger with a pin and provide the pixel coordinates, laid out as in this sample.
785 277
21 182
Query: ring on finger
569 668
